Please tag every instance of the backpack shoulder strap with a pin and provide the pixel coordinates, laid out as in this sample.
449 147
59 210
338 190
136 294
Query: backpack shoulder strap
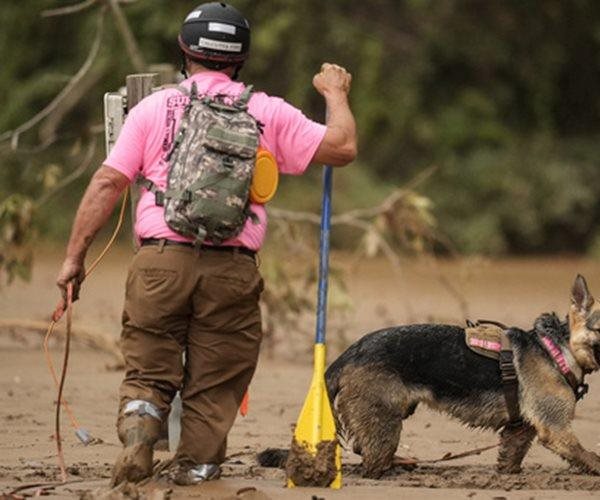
242 100
159 196
175 86
185 91
192 94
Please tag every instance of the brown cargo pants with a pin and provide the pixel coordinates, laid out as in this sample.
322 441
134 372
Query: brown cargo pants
204 303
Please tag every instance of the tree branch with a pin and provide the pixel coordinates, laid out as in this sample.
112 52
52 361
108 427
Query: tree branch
14 135
85 164
351 216
367 220
48 129
388 203
133 50
69 9
78 7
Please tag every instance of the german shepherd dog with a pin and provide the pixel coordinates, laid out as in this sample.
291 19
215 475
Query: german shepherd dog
380 379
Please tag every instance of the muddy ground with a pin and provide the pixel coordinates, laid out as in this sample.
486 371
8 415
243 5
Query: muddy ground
512 291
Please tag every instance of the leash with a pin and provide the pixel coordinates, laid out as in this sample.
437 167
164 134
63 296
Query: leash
66 306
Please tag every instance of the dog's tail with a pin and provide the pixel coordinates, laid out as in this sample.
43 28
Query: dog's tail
273 457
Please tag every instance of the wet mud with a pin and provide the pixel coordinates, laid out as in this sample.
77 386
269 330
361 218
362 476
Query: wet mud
305 469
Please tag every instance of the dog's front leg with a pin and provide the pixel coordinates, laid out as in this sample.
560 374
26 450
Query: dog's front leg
565 443
514 444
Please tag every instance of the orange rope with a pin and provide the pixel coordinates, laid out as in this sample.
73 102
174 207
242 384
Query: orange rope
58 312
61 457
72 418
113 237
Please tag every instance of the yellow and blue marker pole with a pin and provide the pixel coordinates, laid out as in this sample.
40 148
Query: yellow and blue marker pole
316 423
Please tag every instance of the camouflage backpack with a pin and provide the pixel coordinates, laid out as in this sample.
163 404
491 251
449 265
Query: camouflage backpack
210 168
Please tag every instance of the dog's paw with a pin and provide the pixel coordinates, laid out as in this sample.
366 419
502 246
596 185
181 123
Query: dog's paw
508 469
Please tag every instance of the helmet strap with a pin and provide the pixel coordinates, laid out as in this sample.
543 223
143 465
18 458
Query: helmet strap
183 69
236 72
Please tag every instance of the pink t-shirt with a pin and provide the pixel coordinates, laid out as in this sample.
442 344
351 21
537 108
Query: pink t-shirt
147 136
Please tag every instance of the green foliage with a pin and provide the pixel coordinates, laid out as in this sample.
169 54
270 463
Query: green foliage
15 236
500 95
531 197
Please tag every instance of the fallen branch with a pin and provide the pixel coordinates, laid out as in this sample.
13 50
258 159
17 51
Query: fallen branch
385 218
389 202
411 462
44 487
351 216
98 340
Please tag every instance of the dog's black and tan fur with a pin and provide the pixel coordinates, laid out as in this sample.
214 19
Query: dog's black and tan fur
379 381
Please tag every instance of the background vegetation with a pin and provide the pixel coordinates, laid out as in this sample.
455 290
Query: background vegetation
500 95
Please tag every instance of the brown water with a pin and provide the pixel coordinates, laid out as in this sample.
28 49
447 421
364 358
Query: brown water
513 291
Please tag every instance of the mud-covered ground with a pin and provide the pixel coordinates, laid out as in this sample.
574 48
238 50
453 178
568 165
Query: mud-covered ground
510 291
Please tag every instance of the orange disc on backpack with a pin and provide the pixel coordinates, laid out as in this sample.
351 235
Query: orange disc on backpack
265 178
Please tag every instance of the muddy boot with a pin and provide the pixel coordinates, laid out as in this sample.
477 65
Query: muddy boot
138 430
187 474
162 444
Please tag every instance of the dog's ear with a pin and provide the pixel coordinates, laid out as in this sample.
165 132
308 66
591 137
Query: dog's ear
581 297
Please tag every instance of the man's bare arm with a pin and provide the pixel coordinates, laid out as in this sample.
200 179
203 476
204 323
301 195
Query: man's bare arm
338 147
94 210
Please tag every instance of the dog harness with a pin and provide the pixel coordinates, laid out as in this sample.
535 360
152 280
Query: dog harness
490 339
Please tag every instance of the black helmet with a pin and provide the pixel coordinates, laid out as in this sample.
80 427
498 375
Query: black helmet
215 34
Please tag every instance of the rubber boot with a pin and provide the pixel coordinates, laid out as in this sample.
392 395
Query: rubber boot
162 444
189 476
138 433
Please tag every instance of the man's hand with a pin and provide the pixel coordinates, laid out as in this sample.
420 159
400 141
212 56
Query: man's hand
71 271
338 147
93 212
332 79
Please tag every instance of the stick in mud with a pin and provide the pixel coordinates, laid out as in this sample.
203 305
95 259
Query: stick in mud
306 469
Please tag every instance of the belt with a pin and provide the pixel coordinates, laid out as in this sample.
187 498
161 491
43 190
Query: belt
215 248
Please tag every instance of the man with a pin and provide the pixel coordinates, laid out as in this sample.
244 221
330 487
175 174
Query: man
182 297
